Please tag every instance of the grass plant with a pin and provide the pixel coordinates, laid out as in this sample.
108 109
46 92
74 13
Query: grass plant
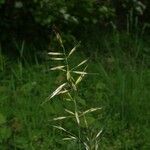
121 88
84 136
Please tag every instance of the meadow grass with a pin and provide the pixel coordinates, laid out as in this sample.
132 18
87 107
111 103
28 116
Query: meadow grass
121 88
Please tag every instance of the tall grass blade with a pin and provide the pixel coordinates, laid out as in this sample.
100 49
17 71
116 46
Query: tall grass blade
70 112
69 138
80 72
57 58
77 117
79 79
98 134
63 92
68 75
91 110
55 53
59 38
83 62
60 128
57 68
73 50
60 118
57 90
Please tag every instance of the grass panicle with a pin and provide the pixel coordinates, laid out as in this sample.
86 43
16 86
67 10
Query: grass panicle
70 89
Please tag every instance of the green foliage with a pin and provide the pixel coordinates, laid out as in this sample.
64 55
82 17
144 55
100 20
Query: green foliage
122 88
134 5
2 119
32 21
2 2
69 15
5 132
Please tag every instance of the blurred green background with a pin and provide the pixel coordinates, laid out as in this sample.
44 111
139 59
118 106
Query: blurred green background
114 35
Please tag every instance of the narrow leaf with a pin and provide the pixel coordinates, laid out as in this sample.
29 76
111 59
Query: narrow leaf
68 75
57 90
79 79
86 146
60 118
98 134
68 111
57 58
74 86
59 38
60 128
57 68
63 129
63 92
69 138
55 53
71 52
80 72
77 117
91 110
83 62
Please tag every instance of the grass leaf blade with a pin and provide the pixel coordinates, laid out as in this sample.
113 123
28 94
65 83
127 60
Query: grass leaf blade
57 90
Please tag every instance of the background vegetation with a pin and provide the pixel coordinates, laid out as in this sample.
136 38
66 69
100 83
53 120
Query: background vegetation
114 36
33 20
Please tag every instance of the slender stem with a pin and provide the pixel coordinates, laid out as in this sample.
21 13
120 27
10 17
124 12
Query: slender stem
66 58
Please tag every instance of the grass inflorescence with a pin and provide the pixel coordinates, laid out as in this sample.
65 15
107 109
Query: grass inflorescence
121 88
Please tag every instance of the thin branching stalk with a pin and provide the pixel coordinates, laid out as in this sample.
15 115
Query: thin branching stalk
69 88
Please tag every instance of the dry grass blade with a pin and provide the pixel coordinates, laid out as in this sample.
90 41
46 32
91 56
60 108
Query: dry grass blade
96 145
69 138
91 110
86 146
57 58
57 90
98 134
80 72
57 68
70 112
69 97
63 92
73 86
59 38
83 72
72 51
55 53
63 129
77 117
83 62
72 79
60 128
79 79
68 75
60 118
